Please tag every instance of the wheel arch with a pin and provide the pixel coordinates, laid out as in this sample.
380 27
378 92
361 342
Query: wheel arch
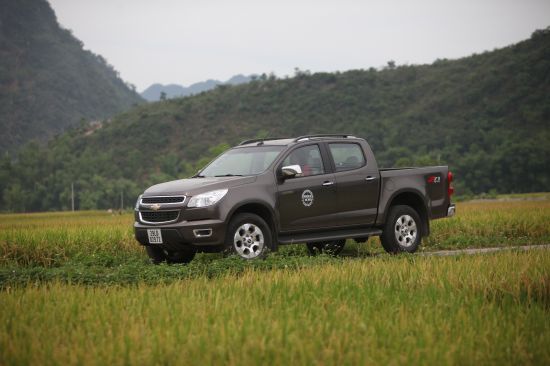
412 199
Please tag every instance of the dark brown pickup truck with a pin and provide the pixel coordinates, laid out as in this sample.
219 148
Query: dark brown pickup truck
315 189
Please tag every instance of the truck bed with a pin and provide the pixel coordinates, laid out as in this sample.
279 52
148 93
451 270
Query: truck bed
430 182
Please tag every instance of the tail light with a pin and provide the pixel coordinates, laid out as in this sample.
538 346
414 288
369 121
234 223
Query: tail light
450 188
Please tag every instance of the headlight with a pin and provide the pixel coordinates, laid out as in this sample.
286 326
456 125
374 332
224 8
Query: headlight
207 199
137 202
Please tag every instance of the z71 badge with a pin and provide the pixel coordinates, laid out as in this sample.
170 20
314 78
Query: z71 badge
307 198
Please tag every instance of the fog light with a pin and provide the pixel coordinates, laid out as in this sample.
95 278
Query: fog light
202 233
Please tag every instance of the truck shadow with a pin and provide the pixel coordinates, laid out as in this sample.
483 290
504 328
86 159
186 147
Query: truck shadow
351 250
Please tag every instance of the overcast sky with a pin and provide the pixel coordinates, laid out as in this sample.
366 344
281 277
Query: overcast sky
180 41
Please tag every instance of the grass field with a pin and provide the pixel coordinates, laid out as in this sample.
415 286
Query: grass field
77 289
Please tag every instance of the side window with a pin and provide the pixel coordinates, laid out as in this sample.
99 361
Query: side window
308 158
347 156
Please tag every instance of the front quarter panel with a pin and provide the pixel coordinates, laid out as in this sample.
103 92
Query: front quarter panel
261 192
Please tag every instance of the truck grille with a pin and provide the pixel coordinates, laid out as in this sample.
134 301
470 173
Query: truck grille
158 216
163 199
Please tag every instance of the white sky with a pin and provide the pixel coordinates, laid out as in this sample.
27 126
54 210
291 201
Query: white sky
181 41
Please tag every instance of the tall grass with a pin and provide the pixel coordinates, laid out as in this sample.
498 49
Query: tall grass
491 309
75 288
493 223
54 239
48 239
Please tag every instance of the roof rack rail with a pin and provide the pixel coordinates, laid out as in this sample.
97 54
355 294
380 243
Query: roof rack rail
343 135
261 140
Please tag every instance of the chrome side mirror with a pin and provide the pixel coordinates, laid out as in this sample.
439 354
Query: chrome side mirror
291 171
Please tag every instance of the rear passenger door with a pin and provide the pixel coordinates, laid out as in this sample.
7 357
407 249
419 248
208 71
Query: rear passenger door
356 184
307 201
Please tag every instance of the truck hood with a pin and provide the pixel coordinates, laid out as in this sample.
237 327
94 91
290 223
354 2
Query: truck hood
194 186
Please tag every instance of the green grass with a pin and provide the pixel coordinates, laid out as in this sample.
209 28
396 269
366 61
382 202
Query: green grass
76 288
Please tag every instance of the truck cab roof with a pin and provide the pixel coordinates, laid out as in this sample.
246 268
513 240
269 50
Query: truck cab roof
283 141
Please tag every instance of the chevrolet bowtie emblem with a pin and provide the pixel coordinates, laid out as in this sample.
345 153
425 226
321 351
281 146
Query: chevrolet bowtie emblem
155 206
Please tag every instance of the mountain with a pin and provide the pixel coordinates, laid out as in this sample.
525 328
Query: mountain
487 116
153 92
48 82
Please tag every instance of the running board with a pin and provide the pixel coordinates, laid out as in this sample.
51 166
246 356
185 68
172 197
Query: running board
327 235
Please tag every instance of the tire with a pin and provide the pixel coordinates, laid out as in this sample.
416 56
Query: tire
159 255
403 230
333 247
248 236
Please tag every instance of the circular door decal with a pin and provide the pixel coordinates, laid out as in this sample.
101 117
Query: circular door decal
307 198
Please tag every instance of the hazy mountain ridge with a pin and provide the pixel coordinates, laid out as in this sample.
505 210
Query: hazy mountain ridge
153 92
487 116
48 82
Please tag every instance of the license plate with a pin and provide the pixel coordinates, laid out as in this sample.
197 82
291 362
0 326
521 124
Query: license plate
155 236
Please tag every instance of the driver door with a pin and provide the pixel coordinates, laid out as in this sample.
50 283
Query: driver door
307 201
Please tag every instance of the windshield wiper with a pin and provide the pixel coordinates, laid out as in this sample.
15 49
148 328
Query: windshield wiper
229 175
198 176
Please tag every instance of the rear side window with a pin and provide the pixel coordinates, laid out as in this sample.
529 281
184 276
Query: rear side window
347 156
308 158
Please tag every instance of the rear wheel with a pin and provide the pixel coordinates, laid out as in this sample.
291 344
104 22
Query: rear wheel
333 247
159 255
248 236
402 232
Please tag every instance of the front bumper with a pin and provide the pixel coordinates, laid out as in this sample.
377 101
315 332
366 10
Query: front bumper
451 210
196 232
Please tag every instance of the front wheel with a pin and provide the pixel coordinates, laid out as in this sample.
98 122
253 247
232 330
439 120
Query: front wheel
333 247
159 255
248 236
402 232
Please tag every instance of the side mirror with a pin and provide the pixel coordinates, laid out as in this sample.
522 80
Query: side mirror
291 171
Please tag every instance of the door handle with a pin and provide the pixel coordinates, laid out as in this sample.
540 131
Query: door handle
328 183
370 179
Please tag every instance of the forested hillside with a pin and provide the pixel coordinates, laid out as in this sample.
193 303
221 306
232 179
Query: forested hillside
487 116
48 82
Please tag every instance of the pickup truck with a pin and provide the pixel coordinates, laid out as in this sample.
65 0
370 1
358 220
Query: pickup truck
316 189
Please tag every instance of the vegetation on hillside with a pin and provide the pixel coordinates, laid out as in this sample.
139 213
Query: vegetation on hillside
486 116
48 82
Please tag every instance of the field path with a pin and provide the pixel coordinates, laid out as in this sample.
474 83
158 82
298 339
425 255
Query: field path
444 253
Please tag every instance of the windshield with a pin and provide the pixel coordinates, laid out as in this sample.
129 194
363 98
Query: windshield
242 161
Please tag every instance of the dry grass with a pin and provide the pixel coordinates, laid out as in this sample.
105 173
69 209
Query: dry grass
493 223
290 309
490 309
50 239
